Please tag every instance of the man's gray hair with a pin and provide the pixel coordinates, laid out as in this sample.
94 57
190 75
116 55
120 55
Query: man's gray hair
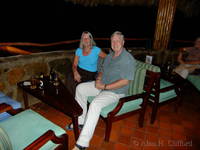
118 33
92 42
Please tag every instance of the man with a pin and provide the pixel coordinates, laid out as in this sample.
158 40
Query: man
191 62
111 84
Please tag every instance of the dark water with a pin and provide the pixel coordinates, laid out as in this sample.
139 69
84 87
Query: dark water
46 21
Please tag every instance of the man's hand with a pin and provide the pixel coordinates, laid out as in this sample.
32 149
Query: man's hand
180 58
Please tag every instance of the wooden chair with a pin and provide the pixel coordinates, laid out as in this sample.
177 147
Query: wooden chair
136 100
28 130
164 92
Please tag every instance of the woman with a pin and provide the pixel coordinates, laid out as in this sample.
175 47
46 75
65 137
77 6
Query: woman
85 60
191 62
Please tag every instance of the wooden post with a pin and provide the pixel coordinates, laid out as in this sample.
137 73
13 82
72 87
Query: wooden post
165 17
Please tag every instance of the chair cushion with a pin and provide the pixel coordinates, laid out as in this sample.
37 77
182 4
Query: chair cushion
164 96
5 143
26 127
195 80
15 104
136 86
1 94
4 116
127 107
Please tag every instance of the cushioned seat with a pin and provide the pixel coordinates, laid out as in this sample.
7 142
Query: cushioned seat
25 127
127 107
168 94
5 99
195 80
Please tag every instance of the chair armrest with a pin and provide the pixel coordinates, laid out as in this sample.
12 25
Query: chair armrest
47 136
124 100
5 107
172 87
131 98
168 88
9 109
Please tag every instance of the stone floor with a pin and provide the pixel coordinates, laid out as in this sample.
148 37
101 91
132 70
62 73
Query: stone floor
171 131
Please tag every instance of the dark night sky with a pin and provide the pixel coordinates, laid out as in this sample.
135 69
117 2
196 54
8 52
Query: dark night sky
49 21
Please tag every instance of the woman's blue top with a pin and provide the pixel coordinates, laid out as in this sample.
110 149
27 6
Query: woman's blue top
88 62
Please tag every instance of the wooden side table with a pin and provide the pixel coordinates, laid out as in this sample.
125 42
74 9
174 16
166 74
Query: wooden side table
56 96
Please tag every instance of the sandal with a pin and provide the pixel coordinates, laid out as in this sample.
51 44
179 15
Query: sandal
70 126
80 147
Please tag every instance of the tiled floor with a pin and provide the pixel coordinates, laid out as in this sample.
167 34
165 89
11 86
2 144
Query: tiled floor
171 131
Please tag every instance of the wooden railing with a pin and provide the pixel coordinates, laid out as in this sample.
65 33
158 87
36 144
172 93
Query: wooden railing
174 44
25 48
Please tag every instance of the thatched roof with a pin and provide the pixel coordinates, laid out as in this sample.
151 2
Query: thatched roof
188 7
113 2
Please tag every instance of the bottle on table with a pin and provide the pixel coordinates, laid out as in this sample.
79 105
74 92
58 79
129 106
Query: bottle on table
52 75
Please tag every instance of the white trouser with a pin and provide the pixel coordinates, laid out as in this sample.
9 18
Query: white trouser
184 69
90 118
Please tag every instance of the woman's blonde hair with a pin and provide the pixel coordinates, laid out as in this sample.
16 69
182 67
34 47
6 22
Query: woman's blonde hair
92 42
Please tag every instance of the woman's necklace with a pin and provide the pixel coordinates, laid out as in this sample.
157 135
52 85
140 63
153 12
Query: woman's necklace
86 51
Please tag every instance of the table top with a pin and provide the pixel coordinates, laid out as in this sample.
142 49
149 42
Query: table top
56 96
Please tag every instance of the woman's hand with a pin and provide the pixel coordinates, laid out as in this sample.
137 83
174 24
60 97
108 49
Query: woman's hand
99 85
77 76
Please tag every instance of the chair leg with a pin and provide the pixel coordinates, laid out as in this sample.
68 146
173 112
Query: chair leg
179 100
154 112
141 118
178 104
108 129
